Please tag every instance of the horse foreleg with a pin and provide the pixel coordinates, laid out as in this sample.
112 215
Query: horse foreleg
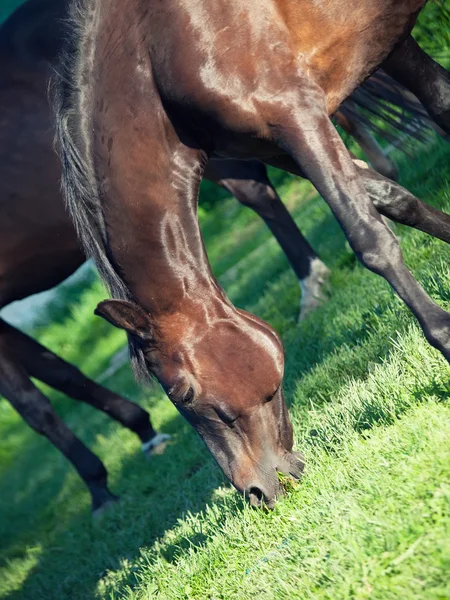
37 412
312 141
396 203
424 77
373 151
250 184
49 368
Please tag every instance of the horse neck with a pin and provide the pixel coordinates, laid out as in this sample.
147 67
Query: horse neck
152 226
173 272
144 177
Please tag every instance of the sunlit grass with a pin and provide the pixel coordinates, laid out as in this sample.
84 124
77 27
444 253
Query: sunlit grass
369 401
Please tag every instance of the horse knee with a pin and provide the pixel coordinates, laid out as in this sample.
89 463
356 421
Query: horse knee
404 207
394 201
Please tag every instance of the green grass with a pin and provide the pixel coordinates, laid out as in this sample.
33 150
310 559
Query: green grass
369 401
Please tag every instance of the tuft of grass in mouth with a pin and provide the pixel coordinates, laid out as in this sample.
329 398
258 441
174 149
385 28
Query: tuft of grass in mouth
288 483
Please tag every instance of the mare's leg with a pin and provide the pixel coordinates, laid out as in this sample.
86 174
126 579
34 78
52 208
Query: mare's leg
250 184
396 203
42 364
36 410
373 151
418 72
309 137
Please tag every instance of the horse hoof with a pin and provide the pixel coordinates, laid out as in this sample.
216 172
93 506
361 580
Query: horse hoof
157 444
306 309
312 288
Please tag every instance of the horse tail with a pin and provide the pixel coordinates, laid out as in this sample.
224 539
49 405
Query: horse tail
390 111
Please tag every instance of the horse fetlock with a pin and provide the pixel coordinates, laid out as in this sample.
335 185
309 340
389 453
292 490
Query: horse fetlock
102 499
380 250
157 444
312 288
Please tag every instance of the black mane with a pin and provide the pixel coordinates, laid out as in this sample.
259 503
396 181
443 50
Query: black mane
73 108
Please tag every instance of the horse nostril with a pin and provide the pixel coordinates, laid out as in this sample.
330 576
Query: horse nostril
259 499
255 496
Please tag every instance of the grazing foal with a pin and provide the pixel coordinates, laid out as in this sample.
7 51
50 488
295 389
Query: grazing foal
155 89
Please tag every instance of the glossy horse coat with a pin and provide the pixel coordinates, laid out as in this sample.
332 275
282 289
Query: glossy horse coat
157 88
39 248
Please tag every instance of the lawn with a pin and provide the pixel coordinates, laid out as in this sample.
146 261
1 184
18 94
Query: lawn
369 401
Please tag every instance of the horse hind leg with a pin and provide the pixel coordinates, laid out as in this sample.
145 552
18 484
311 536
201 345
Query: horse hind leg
424 77
250 184
37 412
396 203
310 139
49 368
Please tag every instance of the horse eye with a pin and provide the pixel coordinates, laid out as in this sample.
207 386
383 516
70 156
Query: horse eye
272 396
226 418
188 397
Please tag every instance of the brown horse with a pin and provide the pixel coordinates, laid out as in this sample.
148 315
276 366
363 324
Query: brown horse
153 90
39 248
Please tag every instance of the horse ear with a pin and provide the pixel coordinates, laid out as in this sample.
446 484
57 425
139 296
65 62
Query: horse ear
128 316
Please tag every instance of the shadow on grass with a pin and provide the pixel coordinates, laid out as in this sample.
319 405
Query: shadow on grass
77 553
154 494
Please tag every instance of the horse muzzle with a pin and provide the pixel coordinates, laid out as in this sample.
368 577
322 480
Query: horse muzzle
265 489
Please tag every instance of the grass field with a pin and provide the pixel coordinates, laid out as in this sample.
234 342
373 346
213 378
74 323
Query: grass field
369 401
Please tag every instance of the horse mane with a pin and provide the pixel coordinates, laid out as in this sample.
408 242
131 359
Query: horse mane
73 110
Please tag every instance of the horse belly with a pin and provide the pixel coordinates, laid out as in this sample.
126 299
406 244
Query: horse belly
38 264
